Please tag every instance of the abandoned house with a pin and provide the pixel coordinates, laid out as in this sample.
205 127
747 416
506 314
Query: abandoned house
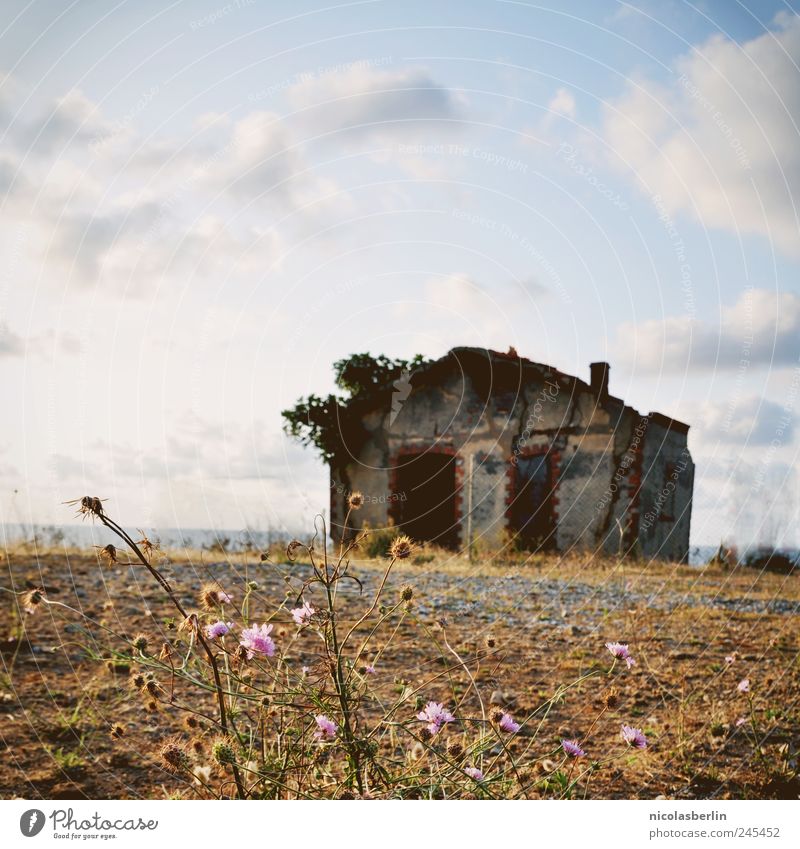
495 449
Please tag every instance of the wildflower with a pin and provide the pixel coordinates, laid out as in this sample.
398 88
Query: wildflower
633 737
730 658
257 639
32 599
224 598
572 748
620 652
744 685
436 716
218 629
508 725
303 614
369 670
326 728
741 721
401 548
356 500
474 773
305 670
406 592
174 757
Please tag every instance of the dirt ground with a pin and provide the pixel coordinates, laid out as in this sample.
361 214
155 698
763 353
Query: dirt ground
549 618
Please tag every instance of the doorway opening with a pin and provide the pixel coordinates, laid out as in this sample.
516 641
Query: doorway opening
426 484
531 513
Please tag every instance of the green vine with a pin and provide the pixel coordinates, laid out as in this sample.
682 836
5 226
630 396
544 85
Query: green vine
333 424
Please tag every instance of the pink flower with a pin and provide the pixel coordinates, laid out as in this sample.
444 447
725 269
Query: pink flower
436 716
370 670
303 614
218 629
508 725
741 721
326 728
223 597
474 772
730 658
257 639
572 748
634 737
744 685
620 652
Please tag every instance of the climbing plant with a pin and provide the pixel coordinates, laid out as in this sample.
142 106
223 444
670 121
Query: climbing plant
332 424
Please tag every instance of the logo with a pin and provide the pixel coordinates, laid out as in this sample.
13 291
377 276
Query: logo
31 822
401 391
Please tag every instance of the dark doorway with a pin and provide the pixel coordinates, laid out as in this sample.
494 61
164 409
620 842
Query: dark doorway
531 511
426 486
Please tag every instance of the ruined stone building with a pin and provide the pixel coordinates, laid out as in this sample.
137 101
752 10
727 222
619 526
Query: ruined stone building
499 450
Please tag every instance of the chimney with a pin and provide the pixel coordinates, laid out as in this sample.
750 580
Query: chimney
599 379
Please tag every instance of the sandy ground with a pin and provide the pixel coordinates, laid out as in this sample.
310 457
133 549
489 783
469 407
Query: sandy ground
549 618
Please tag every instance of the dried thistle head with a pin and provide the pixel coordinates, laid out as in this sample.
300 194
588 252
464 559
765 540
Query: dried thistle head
491 641
107 553
152 706
166 652
356 501
191 722
88 506
291 549
31 599
610 698
222 751
401 547
151 687
174 757
140 643
406 592
496 715
190 623
197 745
211 597
138 681
425 734
117 731
455 749
146 545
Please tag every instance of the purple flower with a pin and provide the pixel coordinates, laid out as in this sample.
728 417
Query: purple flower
508 725
257 639
572 748
436 716
326 728
740 721
744 685
474 772
370 670
223 597
634 737
303 614
620 652
218 629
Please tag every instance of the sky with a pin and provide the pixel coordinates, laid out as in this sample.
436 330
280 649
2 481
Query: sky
203 205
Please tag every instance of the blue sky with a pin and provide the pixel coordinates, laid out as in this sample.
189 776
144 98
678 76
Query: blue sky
205 204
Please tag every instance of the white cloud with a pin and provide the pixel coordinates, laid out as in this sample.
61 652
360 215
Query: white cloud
751 420
761 329
364 100
11 344
563 103
721 140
